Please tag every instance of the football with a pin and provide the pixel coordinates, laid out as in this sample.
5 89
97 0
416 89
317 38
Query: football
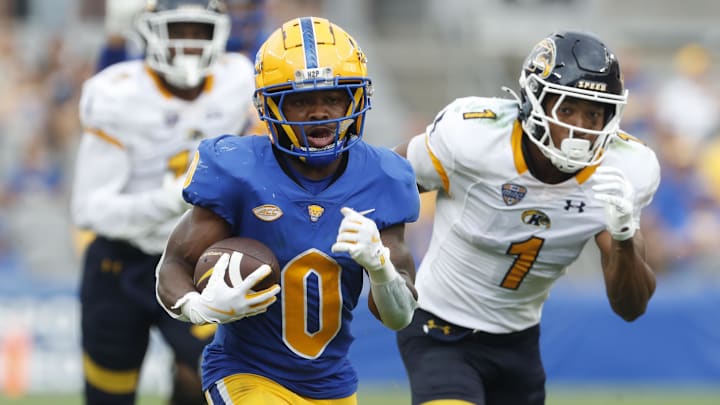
255 254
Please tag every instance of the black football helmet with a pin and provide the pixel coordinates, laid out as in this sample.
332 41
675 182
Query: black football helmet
179 68
571 64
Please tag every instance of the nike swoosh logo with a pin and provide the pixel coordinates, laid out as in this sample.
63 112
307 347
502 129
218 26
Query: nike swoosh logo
220 311
366 211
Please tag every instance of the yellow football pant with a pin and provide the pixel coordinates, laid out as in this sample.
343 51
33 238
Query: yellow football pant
250 389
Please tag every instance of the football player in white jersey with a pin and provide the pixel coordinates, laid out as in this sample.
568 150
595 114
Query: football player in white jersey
143 121
522 185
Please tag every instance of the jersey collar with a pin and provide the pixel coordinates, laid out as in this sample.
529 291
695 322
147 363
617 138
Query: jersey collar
207 87
519 159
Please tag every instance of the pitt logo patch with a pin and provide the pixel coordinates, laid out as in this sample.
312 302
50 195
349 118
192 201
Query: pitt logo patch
479 114
267 212
541 60
536 218
315 212
513 193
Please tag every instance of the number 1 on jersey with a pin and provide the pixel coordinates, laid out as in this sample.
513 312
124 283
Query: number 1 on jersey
526 253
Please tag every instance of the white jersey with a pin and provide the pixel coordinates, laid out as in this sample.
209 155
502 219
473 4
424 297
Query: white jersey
136 134
501 237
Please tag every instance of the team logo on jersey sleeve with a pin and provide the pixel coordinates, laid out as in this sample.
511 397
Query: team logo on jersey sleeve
536 218
267 212
479 114
315 211
513 193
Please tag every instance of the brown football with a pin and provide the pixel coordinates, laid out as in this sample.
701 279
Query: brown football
255 254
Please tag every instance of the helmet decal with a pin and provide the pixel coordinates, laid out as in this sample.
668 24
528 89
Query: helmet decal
541 60
309 47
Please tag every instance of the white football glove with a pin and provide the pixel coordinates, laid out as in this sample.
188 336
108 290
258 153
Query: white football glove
170 194
359 237
618 195
120 15
220 303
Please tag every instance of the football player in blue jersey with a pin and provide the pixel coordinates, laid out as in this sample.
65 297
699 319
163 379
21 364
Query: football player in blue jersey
329 205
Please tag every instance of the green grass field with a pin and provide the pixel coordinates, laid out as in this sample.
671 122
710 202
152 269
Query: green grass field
556 396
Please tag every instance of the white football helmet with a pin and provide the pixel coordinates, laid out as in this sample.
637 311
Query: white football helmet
169 56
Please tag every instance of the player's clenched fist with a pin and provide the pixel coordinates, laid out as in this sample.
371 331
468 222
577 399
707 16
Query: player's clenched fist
220 303
616 192
359 237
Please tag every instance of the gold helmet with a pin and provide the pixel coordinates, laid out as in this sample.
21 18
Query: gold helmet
310 54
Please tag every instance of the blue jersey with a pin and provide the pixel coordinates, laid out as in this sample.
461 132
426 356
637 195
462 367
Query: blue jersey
303 339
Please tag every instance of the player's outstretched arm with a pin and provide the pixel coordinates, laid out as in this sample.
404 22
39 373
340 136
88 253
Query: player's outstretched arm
629 281
392 295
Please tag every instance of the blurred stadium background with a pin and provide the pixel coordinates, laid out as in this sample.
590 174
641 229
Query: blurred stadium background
423 54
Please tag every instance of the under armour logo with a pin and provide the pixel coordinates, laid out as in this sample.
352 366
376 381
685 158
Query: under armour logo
432 325
569 204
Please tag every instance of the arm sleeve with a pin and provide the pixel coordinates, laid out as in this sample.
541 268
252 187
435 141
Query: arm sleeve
98 202
394 300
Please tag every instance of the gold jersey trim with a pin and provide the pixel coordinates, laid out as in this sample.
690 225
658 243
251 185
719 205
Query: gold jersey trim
105 137
207 86
438 166
516 141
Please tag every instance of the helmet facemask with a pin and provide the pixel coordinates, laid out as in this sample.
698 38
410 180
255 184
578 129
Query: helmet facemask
348 128
170 57
574 152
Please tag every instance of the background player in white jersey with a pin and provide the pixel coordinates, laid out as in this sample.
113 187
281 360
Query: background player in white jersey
247 29
522 186
329 205
143 120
